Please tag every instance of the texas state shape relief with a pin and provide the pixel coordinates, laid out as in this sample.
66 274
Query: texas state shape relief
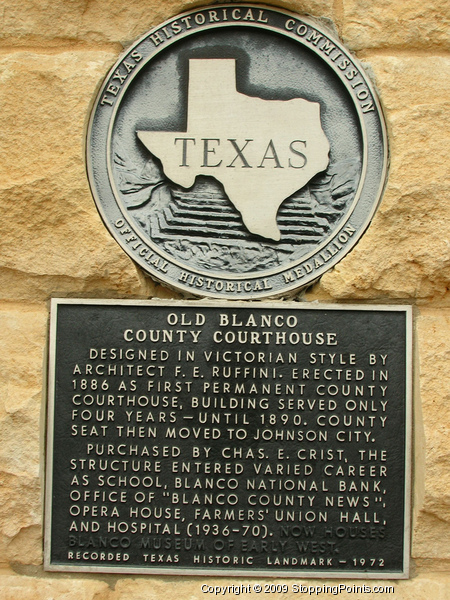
261 151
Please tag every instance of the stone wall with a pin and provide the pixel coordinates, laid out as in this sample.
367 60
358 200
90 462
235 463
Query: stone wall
53 56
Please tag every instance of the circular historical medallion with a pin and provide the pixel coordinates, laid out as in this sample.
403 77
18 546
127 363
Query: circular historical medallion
237 151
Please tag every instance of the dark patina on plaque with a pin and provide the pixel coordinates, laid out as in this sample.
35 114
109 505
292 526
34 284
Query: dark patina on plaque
237 151
229 439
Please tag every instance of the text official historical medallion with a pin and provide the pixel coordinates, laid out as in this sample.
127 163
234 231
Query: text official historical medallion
237 151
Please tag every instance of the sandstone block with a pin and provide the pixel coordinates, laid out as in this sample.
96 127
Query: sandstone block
407 23
101 21
405 252
23 331
432 523
48 587
52 235
409 80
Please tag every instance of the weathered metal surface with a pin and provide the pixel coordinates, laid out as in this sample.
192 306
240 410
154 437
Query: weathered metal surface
237 152
229 439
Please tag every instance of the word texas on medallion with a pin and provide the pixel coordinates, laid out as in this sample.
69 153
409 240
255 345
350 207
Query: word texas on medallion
237 151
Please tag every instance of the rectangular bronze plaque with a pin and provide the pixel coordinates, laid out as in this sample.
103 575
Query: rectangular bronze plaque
229 439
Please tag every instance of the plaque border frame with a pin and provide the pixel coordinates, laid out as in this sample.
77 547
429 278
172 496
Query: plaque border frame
238 572
287 288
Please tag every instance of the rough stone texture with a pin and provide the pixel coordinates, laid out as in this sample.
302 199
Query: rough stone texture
97 21
415 210
387 23
23 331
432 523
15 587
52 238
102 21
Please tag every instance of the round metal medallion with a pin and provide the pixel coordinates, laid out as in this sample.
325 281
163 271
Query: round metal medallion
237 151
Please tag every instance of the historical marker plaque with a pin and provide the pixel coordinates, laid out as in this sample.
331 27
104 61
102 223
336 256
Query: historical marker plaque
229 439
237 152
